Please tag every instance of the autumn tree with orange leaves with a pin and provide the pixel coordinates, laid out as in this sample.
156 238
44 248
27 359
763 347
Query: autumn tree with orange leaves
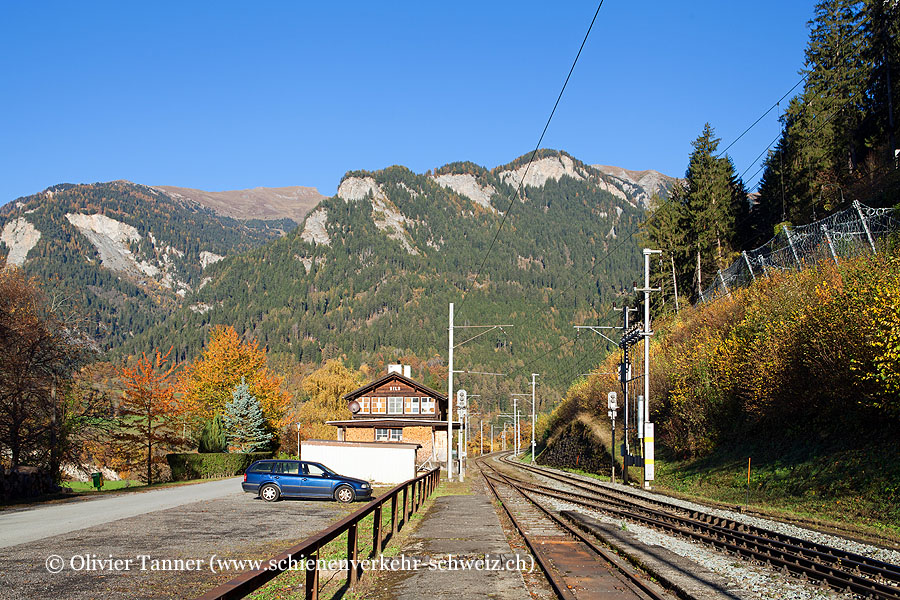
206 384
146 413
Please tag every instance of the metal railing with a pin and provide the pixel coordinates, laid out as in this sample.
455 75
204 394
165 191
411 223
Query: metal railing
843 235
306 553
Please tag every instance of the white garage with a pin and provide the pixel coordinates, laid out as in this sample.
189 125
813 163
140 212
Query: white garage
381 462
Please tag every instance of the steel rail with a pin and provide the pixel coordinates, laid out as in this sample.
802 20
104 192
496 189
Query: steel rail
792 558
621 569
866 564
553 578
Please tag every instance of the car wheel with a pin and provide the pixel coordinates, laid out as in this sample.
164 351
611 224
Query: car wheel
269 493
344 494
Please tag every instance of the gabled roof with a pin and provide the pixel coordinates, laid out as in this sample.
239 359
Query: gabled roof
381 381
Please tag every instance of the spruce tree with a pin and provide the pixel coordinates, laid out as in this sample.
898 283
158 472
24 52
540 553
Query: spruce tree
712 189
664 229
245 425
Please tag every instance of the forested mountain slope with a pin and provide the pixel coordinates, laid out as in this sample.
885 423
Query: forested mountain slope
120 255
371 270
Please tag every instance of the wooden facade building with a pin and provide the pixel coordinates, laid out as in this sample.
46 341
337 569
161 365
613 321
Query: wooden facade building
397 409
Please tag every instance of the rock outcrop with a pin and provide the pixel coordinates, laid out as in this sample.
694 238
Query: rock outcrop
209 258
542 170
386 216
466 185
642 185
20 237
314 228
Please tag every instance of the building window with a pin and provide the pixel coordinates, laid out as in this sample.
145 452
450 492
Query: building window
412 406
378 405
364 405
386 435
395 405
427 406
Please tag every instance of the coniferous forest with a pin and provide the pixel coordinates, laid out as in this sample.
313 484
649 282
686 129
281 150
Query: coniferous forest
838 143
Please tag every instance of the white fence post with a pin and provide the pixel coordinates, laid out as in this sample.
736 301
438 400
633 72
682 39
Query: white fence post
865 225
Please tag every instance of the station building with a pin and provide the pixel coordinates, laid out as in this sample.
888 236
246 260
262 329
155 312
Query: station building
396 409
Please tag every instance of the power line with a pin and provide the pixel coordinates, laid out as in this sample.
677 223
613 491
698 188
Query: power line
761 117
630 235
513 197
830 77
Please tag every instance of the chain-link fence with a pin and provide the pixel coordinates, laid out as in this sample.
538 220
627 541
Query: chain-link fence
840 236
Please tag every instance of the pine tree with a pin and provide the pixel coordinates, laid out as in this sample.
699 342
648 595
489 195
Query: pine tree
841 115
882 18
213 438
245 425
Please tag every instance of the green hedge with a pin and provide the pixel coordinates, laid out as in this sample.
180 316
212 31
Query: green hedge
212 464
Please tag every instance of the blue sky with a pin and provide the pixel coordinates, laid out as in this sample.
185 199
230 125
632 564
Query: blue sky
220 95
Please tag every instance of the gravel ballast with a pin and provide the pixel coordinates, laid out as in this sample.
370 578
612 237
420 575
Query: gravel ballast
758 580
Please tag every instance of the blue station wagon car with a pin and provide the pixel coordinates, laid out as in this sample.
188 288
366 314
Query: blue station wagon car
272 479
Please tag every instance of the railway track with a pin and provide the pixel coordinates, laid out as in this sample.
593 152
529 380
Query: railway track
839 569
575 565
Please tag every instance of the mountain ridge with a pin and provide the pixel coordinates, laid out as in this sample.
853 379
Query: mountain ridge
647 182
264 203
368 272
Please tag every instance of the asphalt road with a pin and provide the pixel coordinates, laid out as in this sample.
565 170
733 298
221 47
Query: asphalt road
27 524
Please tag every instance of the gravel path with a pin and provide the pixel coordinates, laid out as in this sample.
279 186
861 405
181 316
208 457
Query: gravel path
236 526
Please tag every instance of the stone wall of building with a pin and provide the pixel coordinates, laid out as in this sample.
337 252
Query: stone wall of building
360 434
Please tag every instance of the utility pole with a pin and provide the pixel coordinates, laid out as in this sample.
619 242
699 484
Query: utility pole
518 433
533 375
515 427
450 397
481 444
518 420
649 471
450 402
492 438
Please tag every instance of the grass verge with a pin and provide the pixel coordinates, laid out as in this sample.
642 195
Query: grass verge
840 488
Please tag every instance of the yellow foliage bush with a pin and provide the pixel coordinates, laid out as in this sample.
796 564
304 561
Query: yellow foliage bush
325 388
795 354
